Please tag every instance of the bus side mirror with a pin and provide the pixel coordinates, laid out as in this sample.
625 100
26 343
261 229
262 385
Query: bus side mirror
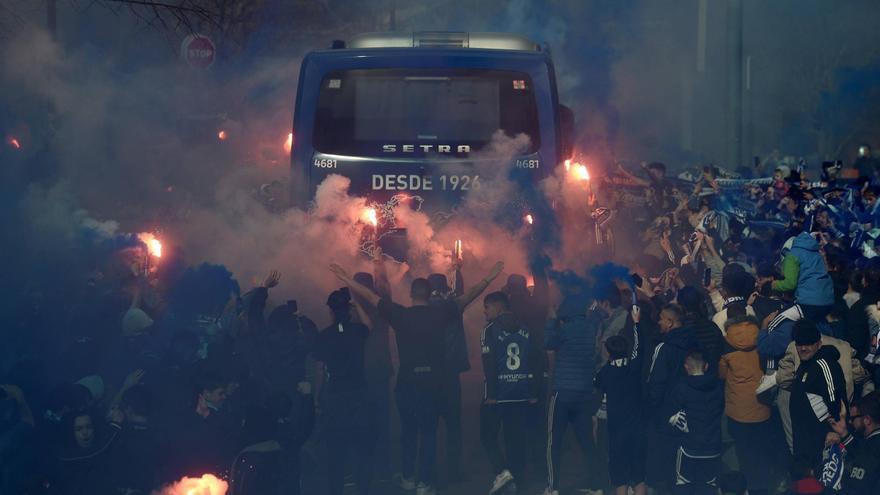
566 132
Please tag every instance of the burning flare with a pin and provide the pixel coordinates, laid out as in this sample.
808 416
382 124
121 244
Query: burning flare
288 145
14 143
222 135
529 219
208 484
457 251
369 215
581 172
567 165
154 246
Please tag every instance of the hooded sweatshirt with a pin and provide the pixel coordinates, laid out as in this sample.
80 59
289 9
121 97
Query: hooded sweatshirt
700 400
806 274
741 371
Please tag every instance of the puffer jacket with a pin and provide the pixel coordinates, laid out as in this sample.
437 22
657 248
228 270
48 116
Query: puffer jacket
813 286
573 338
740 368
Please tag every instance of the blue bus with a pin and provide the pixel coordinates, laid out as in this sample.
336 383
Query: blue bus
409 113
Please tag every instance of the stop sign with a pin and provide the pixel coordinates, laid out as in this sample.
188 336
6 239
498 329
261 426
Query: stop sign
198 51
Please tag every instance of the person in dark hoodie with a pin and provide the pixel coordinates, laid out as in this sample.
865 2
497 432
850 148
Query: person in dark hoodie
707 335
571 335
806 274
620 379
274 434
696 405
347 420
667 370
456 353
510 362
817 392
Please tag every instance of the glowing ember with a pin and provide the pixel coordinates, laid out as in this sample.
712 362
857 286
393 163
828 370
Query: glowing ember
529 219
288 145
530 281
153 244
369 215
581 172
14 143
208 484
567 165
222 135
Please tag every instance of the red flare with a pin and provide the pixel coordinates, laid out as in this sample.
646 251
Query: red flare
154 245
288 145
581 172
222 135
529 219
369 216
208 484
14 143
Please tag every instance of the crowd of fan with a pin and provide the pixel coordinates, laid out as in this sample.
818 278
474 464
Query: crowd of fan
759 333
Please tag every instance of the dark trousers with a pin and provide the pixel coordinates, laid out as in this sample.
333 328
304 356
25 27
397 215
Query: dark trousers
695 474
511 419
418 406
450 413
536 432
348 427
570 408
754 451
379 400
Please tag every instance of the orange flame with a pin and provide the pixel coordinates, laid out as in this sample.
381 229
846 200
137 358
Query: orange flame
456 250
567 165
208 484
154 245
288 145
530 281
369 215
14 143
581 172
529 219
222 135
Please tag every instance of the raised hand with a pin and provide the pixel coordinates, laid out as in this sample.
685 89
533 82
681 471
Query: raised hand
271 279
340 272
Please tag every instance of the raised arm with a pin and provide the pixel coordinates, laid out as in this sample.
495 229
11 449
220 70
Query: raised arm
380 275
359 290
475 291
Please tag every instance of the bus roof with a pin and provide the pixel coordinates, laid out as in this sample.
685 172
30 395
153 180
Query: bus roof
441 39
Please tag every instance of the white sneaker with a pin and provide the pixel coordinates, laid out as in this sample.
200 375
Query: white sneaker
424 489
404 483
502 479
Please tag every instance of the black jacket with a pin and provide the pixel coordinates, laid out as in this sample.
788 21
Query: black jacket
667 369
862 466
709 340
700 399
817 392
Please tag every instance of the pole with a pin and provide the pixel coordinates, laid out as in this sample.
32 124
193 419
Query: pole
734 83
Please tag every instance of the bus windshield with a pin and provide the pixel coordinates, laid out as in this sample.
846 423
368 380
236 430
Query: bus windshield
422 112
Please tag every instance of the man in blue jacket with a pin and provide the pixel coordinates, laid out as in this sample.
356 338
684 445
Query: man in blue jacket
571 335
